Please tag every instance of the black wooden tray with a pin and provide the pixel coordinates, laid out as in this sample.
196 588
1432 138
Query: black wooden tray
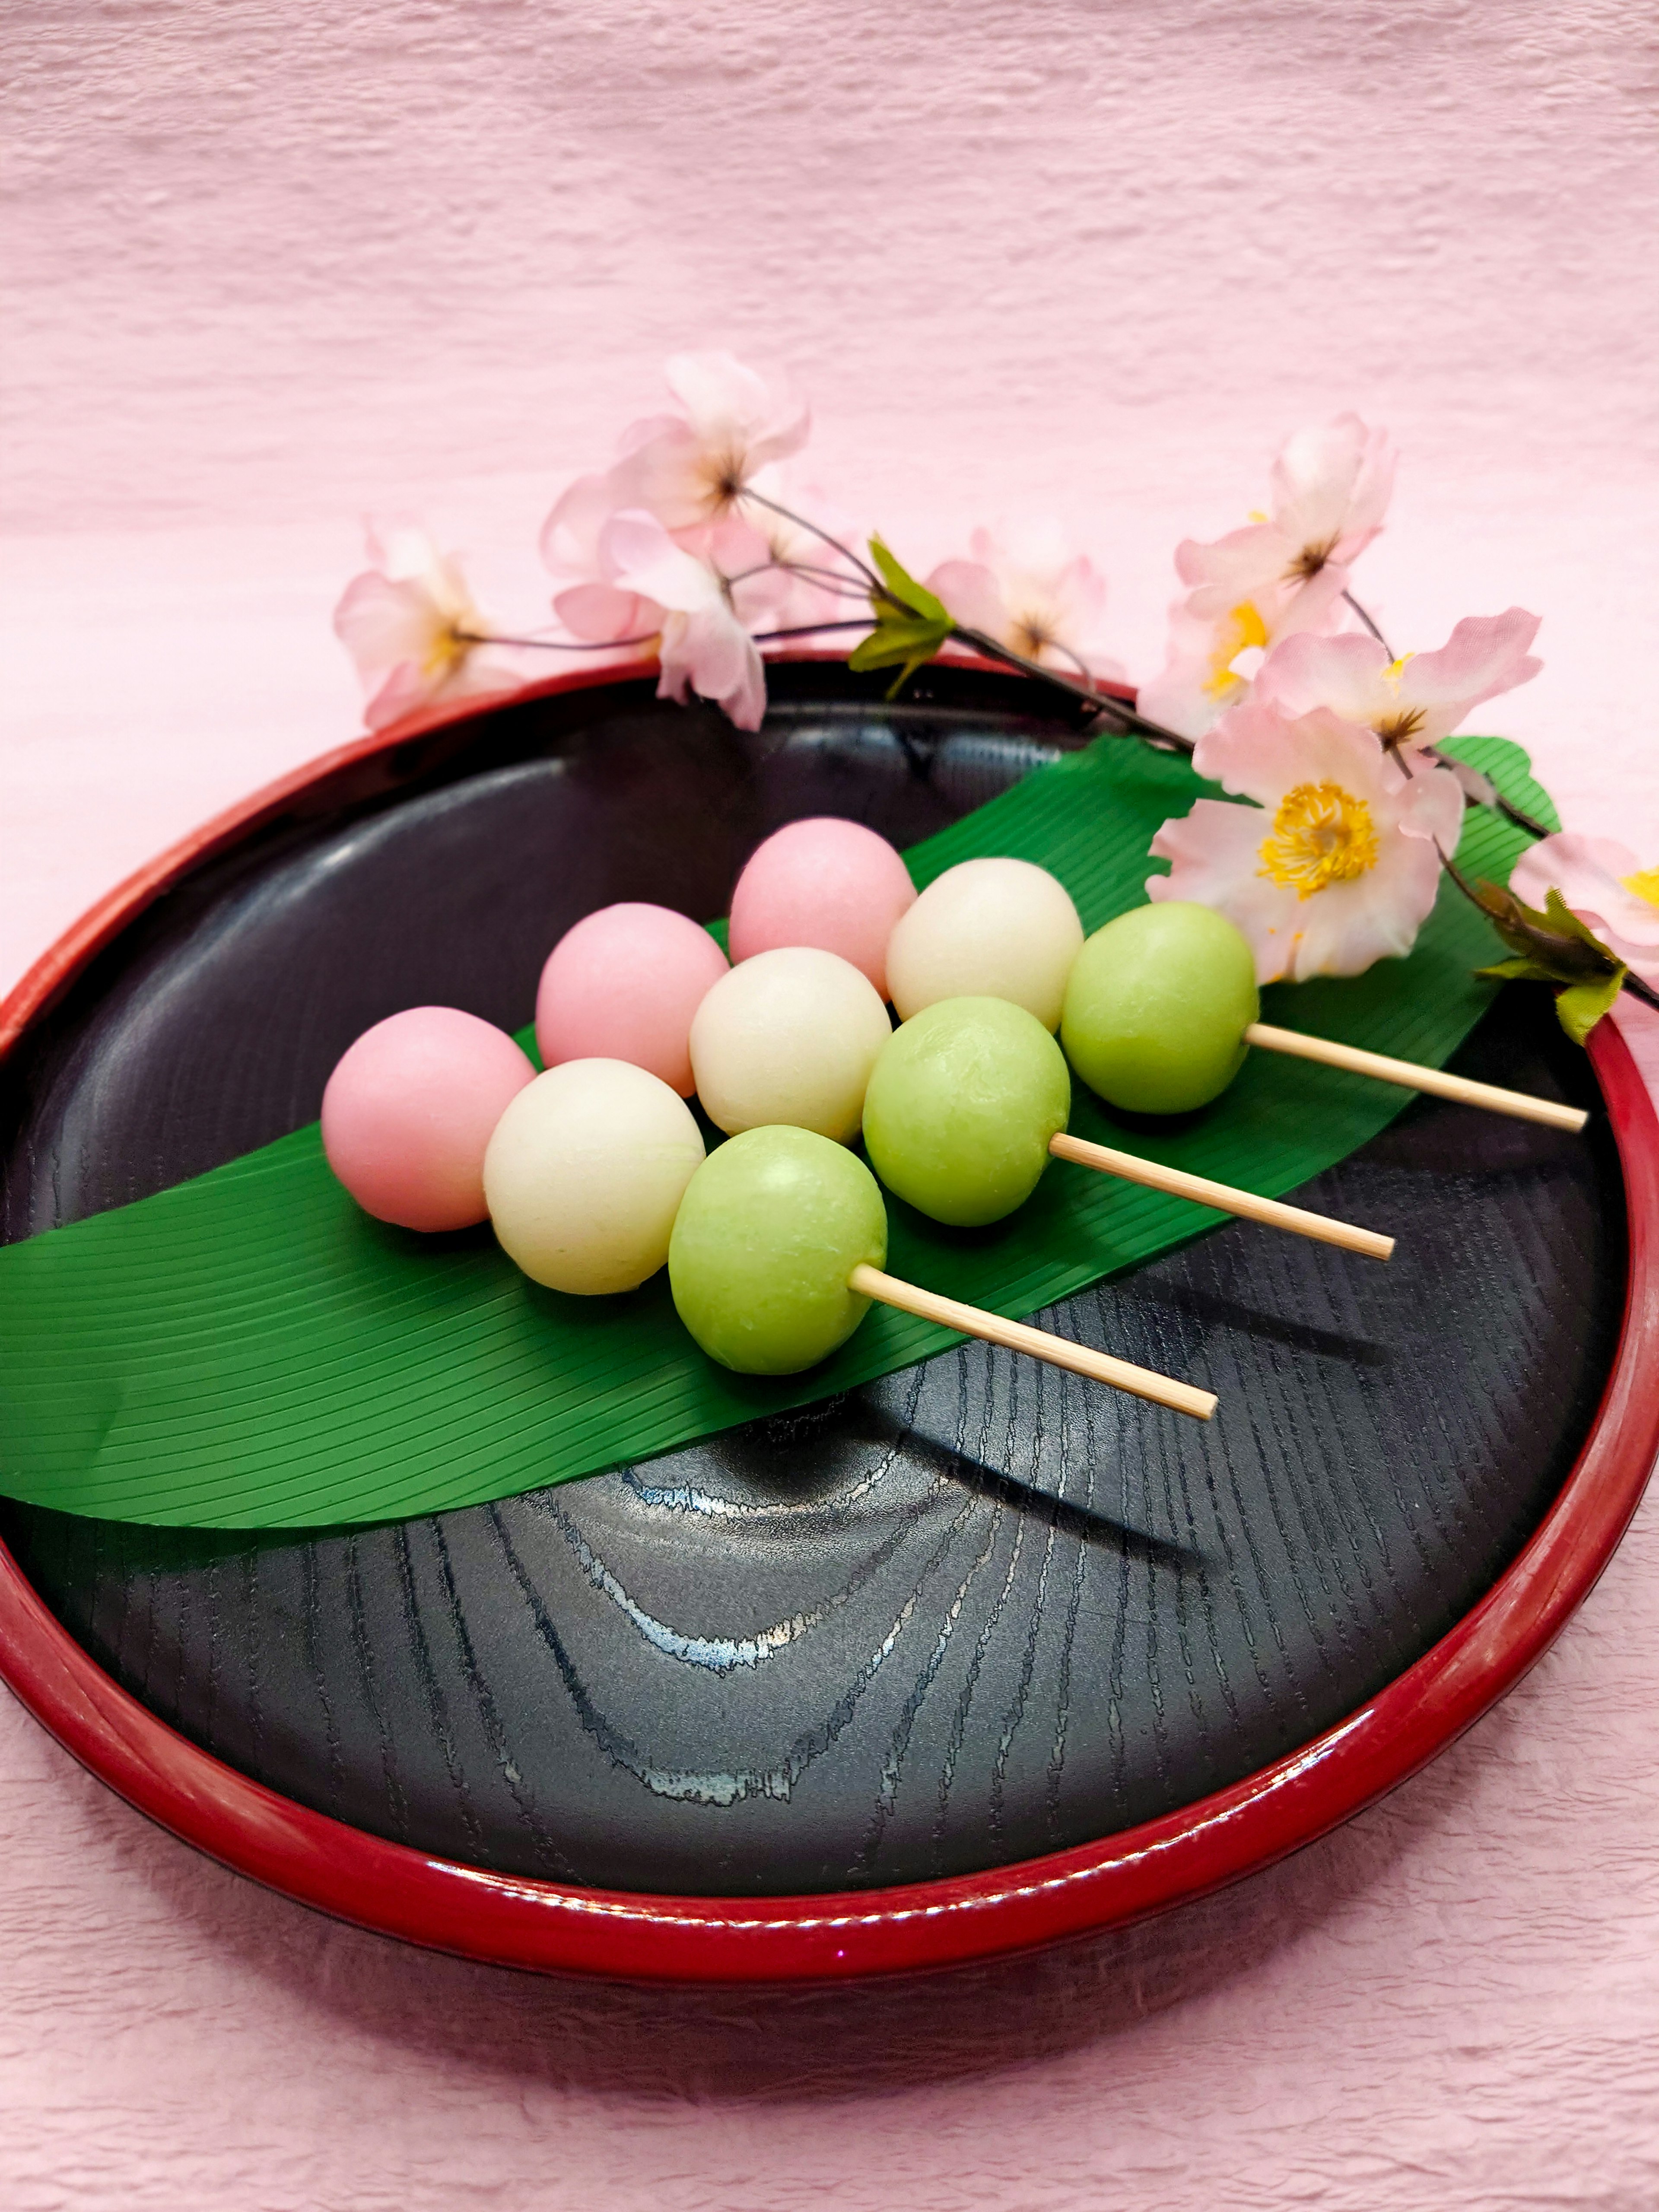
975 1615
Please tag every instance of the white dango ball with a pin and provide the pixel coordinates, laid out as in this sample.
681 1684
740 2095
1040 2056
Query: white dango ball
585 1172
987 929
788 1036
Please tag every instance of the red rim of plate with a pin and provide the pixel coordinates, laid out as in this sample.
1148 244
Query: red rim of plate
509 1920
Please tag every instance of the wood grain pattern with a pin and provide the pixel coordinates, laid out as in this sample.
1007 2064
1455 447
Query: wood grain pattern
976 1612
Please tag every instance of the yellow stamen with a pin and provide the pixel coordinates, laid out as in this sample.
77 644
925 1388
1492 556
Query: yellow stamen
1243 629
1646 885
448 650
1321 834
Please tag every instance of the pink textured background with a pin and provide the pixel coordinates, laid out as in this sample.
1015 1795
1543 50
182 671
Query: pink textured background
268 266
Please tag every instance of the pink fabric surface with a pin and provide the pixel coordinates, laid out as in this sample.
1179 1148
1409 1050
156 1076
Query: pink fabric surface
269 268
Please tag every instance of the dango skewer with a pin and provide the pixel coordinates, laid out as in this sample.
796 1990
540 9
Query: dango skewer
1156 1011
779 1248
1162 1008
1460 1089
1225 1198
968 1102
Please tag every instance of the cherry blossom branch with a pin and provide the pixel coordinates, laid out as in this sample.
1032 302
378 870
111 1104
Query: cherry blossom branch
1370 625
1125 720
805 522
555 644
1129 722
807 630
1507 808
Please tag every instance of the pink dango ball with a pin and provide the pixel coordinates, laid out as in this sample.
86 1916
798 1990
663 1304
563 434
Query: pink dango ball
410 1110
624 984
832 884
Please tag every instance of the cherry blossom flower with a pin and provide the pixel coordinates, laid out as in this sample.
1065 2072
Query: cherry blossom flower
1330 492
1216 643
1032 591
702 645
592 606
1410 702
410 625
1283 575
1606 887
1334 866
688 469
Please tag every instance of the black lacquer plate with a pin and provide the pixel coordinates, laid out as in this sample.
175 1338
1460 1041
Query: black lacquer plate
979 1612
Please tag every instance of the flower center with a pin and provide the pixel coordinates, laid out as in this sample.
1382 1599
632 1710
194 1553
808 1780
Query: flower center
1242 630
448 650
1646 885
724 473
1321 834
1395 729
1033 633
1310 560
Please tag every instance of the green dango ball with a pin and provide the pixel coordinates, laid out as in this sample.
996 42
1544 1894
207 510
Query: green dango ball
961 1106
771 1225
1157 1006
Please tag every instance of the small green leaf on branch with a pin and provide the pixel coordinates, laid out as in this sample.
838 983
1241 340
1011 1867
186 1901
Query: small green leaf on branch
1552 945
1580 1005
911 623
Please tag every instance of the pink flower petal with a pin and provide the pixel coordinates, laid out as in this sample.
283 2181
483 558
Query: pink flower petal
1305 671
970 595
1331 487
602 613
1485 654
637 553
570 535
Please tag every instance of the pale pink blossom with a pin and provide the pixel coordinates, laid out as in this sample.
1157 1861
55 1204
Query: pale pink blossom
1331 487
410 625
1283 575
1216 643
1606 887
702 645
1029 589
1413 702
689 468
1334 866
592 606
1330 491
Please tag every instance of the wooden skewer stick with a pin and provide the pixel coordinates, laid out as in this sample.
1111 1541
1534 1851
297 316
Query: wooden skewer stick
1018 1336
1410 1077
1179 1184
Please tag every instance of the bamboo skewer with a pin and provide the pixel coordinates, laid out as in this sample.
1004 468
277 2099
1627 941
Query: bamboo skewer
1410 1077
1019 1336
1200 1188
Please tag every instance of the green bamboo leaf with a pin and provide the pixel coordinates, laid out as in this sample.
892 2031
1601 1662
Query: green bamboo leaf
250 1350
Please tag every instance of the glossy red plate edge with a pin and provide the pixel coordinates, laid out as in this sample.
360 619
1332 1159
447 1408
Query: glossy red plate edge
514 1921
